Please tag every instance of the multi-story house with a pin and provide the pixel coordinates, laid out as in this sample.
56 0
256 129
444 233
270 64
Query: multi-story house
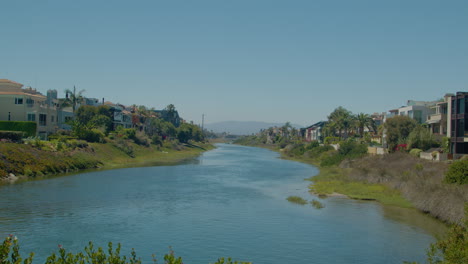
417 110
122 116
457 123
314 132
18 104
437 118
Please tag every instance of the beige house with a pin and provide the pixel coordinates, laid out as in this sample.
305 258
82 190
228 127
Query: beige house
437 119
18 104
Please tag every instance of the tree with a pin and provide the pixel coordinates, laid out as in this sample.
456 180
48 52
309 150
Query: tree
188 132
73 98
95 117
397 129
458 173
171 115
363 121
342 120
421 137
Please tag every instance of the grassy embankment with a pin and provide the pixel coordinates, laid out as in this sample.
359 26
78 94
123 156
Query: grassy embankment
32 161
333 180
396 179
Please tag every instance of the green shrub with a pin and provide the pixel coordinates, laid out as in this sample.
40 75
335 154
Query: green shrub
352 149
419 167
157 140
124 146
28 127
93 135
332 140
457 172
312 145
333 159
141 139
10 254
317 204
61 138
14 136
415 152
317 151
295 149
297 200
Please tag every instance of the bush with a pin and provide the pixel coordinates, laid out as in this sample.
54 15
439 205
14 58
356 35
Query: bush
351 149
320 149
297 200
28 127
312 145
10 253
124 146
332 140
317 204
127 133
93 135
141 139
14 136
457 172
331 160
422 138
415 152
157 140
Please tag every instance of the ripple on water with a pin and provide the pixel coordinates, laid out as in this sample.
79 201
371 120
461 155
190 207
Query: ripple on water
230 203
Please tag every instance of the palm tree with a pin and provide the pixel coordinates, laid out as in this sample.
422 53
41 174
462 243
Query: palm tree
72 98
342 120
362 121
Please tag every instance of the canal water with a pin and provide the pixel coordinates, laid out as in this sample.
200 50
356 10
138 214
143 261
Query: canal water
230 201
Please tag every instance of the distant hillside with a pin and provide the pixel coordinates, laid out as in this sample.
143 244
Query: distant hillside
242 127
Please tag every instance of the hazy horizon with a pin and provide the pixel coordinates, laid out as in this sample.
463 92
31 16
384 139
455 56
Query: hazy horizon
270 61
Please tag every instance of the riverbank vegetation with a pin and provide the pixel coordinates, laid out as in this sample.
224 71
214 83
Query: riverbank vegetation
10 254
297 200
398 178
96 142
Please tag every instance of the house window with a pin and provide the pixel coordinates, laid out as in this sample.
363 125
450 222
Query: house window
52 118
68 118
32 117
42 119
18 100
460 128
417 115
461 106
29 102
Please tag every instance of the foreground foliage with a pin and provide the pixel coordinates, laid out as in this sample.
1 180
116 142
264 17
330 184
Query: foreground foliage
9 254
31 161
458 172
453 249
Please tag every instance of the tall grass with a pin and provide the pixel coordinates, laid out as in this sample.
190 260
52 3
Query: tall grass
421 182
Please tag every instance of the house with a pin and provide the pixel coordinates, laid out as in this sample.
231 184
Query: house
315 132
457 124
417 110
122 116
27 104
437 118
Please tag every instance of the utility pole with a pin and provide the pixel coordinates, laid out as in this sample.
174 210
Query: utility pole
202 122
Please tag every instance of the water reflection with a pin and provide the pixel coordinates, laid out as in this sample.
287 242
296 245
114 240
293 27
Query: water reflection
416 219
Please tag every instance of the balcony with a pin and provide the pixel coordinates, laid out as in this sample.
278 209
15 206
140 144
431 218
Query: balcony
436 118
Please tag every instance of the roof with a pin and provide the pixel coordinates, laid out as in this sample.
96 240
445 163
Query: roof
9 81
318 124
37 95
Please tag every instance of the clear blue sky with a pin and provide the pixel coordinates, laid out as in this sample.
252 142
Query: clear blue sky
248 60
